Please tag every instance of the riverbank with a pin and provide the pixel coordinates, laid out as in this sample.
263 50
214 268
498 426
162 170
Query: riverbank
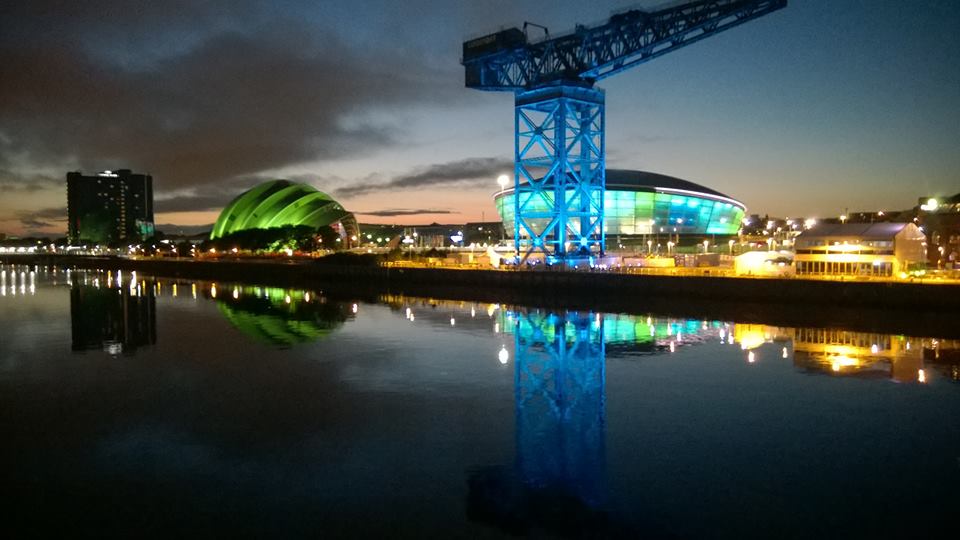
866 306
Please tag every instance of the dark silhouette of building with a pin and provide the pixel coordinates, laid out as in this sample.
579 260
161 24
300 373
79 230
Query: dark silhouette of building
116 320
111 207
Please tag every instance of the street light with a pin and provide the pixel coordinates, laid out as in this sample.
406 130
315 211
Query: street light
503 180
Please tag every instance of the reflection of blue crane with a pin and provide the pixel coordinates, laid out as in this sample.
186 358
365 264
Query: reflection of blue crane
559 392
559 153
558 482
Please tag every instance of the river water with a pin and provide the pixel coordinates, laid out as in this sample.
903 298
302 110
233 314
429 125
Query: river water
138 407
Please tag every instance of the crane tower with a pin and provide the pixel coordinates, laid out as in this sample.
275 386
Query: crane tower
559 146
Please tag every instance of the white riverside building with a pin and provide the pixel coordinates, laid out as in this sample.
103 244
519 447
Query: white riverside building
860 249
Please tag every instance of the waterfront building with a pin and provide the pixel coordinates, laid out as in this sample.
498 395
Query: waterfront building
642 205
940 220
110 207
483 232
280 203
860 249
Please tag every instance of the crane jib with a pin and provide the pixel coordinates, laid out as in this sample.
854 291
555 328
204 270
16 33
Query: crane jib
506 61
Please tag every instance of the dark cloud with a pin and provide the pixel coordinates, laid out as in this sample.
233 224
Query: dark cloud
191 203
186 230
58 213
216 196
10 181
454 172
34 226
204 197
404 212
44 219
204 98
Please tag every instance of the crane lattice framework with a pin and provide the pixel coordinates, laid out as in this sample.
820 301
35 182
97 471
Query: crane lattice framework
559 386
559 146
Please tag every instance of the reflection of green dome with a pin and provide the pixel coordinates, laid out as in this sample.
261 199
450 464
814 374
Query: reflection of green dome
279 317
278 203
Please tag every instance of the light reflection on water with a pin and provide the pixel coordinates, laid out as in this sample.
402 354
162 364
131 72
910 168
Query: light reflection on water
270 403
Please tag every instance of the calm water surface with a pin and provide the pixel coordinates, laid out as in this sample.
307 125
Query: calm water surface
134 407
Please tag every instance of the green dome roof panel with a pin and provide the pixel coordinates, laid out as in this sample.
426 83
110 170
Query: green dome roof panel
280 203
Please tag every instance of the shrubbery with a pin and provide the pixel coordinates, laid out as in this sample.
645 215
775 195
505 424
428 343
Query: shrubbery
277 239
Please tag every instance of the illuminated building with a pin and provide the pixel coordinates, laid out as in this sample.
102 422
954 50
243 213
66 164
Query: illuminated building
638 203
111 207
859 249
280 203
940 219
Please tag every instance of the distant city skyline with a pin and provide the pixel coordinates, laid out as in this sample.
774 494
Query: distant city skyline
819 108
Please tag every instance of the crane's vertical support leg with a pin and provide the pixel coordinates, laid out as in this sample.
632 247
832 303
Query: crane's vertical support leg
559 384
560 174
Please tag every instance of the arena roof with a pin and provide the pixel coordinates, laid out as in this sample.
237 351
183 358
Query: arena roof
630 180
278 203
648 181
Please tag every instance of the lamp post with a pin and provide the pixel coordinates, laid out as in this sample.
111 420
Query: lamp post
503 180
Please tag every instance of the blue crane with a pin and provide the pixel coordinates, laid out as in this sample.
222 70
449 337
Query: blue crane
559 143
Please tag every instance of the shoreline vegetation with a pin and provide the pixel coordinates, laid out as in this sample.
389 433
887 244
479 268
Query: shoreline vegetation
885 307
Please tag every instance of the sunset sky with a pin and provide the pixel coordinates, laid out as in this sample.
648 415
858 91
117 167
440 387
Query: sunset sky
823 106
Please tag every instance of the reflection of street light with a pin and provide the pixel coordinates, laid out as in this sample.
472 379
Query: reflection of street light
843 218
730 243
706 245
649 246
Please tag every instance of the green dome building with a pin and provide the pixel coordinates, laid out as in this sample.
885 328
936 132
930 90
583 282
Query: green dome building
279 203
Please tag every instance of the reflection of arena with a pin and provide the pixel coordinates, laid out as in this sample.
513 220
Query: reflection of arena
641 203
